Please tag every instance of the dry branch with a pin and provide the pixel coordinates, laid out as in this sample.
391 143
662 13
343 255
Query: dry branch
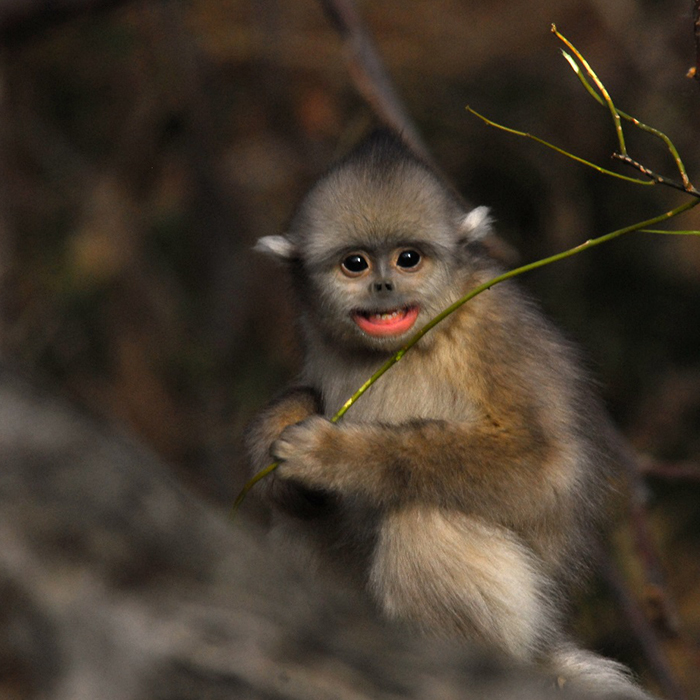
695 70
655 580
369 74
670 471
644 633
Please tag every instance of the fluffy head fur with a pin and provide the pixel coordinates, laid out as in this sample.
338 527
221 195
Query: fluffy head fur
377 202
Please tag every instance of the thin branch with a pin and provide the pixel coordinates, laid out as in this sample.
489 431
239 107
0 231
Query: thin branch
655 177
502 278
369 73
604 98
695 71
603 91
671 232
397 356
687 186
644 633
573 157
670 471
647 550
656 589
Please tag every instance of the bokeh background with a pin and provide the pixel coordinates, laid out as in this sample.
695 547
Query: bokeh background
146 145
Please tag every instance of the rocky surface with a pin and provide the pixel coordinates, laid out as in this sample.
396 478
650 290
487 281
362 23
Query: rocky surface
117 584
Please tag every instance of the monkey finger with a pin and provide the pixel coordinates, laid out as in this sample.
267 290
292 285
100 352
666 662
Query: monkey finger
302 439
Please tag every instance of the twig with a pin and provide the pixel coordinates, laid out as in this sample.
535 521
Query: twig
502 278
644 633
397 356
670 471
656 588
671 232
604 98
614 113
655 177
695 70
687 187
578 159
369 74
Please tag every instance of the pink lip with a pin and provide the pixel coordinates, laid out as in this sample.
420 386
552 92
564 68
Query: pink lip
393 322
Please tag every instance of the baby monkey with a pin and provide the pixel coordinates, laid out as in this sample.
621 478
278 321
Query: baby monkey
466 489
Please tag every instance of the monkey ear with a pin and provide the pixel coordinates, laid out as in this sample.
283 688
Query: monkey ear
476 225
279 247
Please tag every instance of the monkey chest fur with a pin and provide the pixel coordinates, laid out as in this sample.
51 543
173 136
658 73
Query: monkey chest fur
416 388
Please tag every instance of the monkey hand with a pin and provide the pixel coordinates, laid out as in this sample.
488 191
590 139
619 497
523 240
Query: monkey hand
304 451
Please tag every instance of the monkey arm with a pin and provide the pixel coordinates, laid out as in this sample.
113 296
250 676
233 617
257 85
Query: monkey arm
505 471
291 408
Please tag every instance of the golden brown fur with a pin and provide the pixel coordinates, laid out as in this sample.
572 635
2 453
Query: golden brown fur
466 488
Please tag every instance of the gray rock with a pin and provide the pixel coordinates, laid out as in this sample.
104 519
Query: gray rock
117 584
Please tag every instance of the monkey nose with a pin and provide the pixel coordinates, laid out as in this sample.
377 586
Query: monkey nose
383 286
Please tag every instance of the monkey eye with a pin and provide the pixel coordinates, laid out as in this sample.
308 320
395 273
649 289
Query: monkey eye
408 259
354 264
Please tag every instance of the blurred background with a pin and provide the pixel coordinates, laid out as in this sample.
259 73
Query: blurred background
146 145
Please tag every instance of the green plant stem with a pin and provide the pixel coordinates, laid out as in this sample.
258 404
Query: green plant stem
669 232
578 159
687 185
603 91
397 356
251 482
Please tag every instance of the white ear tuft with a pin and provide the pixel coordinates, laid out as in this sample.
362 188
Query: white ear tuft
477 223
279 247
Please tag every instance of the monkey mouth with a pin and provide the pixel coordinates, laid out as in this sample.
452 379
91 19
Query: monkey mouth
386 323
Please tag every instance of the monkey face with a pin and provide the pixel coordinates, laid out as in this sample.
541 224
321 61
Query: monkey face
384 278
378 295
378 248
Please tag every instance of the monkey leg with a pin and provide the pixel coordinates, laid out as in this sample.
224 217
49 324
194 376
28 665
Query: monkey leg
455 575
